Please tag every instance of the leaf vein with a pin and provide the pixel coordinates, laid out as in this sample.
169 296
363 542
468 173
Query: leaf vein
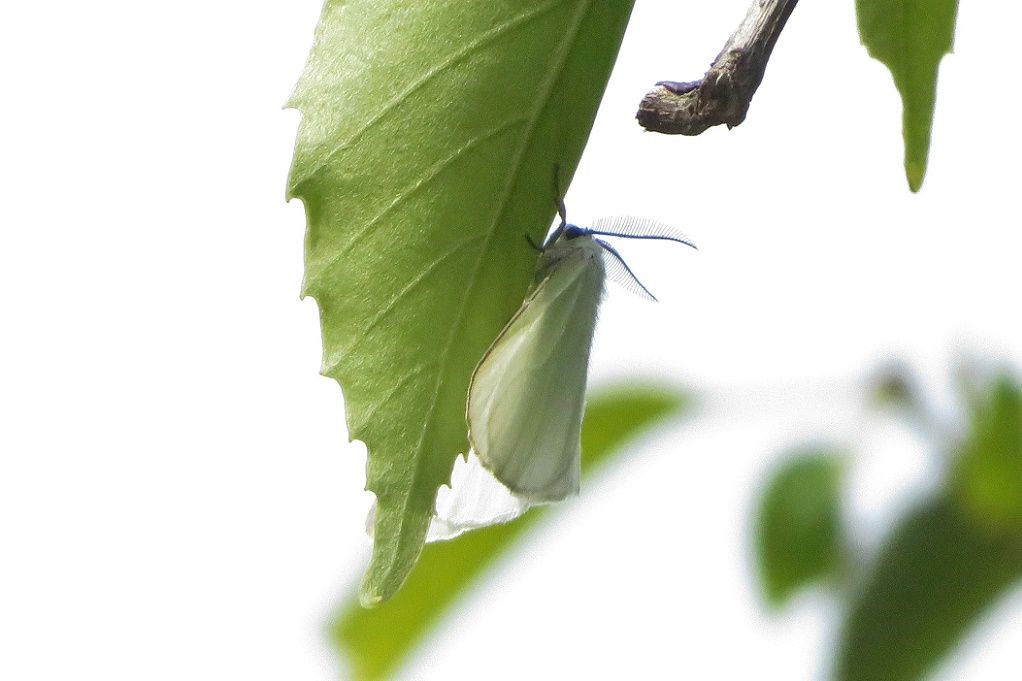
370 413
404 194
543 99
471 48
389 307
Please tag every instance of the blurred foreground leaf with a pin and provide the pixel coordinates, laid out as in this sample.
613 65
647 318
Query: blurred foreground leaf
799 535
429 134
910 37
937 574
949 560
988 476
376 641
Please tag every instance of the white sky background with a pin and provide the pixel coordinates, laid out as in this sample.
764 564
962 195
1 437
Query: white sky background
176 496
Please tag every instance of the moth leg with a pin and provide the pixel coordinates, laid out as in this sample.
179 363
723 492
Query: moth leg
558 200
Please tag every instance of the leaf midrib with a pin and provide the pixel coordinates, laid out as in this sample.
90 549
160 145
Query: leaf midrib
571 35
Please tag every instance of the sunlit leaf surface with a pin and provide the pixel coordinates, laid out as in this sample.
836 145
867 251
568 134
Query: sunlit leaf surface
429 134
910 37
376 641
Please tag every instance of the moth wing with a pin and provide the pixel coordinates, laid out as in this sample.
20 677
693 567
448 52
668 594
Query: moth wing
474 499
527 394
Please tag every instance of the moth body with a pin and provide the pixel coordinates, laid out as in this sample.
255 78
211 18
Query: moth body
527 395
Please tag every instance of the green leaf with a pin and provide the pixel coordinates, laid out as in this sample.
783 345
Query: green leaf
799 535
376 641
910 37
430 130
937 573
988 474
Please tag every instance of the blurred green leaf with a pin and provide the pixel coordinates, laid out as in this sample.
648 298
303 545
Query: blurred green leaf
799 534
430 130
988 474
376 641
910 37
936 574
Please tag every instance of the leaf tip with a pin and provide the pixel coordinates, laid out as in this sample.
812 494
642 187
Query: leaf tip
382 581
398 538
915 172
369 600
775 595
375 589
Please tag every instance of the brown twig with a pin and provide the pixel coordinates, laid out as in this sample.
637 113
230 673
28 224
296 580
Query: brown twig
723 95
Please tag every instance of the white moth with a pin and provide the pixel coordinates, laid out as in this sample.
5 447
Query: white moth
527 394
